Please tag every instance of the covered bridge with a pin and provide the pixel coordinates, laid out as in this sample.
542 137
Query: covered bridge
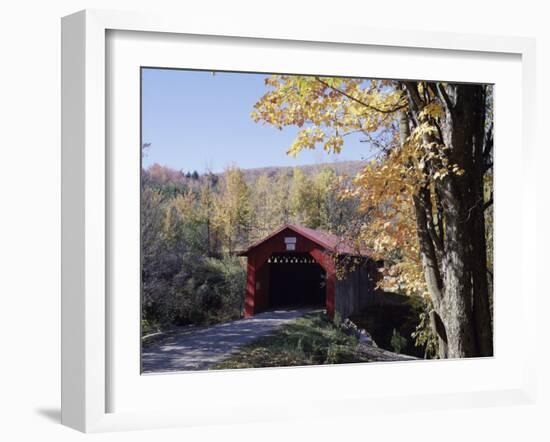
296 266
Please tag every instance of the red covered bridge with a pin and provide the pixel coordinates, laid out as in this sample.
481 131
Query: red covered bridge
296 266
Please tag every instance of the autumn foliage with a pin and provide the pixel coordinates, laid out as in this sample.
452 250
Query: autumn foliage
193 225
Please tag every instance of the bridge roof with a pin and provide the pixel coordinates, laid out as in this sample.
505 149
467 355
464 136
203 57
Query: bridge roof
330 242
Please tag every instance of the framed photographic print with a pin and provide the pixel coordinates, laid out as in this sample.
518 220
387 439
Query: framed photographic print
283 223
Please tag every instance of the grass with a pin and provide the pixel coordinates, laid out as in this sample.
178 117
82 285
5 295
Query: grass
310 340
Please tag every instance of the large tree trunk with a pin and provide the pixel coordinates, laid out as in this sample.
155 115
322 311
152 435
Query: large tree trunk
476 161
455 268
453 250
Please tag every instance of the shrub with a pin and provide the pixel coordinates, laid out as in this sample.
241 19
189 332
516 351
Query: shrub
398 342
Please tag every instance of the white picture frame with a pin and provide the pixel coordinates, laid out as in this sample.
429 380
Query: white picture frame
86 206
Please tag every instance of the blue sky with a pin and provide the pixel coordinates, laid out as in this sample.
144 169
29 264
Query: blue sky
198 121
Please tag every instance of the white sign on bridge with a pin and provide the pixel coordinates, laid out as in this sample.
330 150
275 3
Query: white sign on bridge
290 242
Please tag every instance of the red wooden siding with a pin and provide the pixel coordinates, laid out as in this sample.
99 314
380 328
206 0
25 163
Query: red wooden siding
258 271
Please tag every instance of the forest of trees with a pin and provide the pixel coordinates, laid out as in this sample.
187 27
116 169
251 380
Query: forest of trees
193 225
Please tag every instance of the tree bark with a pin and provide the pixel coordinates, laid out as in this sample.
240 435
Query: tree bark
476 220
454 255
455 269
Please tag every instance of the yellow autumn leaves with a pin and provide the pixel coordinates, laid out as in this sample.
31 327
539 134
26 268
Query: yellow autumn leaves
323 109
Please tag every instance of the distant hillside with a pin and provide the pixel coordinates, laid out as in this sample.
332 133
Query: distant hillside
349 168
166 176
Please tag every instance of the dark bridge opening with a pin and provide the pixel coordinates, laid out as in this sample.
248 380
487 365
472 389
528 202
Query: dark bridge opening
295 279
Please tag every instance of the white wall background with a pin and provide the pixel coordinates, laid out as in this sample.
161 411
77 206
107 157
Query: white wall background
30 215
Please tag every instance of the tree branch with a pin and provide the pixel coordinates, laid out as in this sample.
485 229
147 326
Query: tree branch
488 203
430 261
413 93
368 106
426 204
439 211
445 97
488 142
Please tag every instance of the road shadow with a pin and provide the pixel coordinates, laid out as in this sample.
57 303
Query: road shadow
202 348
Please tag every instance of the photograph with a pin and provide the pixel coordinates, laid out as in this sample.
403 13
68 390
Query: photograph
302 220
